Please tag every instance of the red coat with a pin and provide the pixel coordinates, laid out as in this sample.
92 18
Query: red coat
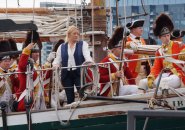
22 78
134 66
15 82
160 63
104 75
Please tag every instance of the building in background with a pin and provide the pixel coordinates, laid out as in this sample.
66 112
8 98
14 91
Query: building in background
46 49
91 25
56 4
175 8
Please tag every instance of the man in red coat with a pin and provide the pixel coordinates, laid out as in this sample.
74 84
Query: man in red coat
109 73
173 66
139 69
8 83
37 79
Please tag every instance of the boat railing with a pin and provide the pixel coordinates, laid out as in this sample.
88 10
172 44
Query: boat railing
132 114
97 64
91 66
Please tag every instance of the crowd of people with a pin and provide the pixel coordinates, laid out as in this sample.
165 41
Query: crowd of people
33 90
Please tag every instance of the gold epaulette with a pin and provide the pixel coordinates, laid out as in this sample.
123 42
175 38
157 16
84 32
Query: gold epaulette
26 51
13 68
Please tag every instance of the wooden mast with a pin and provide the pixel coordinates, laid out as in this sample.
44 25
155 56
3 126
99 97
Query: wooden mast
99 24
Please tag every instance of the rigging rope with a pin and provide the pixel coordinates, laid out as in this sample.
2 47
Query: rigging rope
74 105
81 17
56 88
6 18
33 10
67 24
18 4
75 14
110 16
92 14
178 93
125 20
6 9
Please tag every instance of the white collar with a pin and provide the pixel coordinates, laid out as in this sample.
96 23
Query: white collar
132 35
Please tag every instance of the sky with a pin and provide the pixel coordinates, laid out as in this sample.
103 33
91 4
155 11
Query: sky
29 3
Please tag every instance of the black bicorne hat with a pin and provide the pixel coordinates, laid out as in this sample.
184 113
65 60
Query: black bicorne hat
135 24
163 25
177 34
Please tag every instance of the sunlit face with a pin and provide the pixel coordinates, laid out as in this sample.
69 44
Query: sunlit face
35 56
165 38
5 64
137 31
74 36
117 51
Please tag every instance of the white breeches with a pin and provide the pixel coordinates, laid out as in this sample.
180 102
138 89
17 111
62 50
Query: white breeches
61 97
128 90
166 82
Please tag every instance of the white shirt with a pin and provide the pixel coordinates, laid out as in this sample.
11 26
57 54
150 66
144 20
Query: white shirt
71 61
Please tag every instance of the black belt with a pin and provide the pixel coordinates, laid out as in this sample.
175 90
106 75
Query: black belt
144 63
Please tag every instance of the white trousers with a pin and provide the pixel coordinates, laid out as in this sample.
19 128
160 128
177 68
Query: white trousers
167 81
128 90
61 97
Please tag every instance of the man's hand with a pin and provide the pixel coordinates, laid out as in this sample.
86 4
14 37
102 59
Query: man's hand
30 46
119 74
